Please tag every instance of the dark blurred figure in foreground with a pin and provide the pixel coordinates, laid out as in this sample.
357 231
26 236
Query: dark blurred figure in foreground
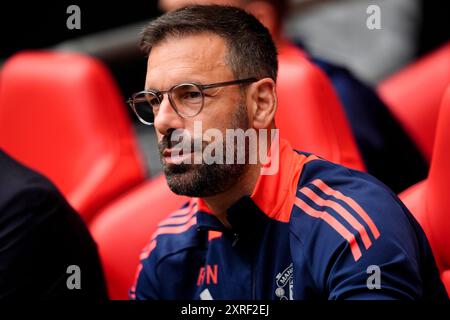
41 237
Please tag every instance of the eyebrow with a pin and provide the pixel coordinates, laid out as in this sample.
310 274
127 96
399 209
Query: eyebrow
154 89
198 81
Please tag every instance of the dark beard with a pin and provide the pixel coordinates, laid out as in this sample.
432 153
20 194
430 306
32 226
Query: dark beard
205 180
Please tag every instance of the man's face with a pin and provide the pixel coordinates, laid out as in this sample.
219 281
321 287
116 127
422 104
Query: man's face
200 59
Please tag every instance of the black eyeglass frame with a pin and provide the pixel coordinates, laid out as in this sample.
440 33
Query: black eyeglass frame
160 95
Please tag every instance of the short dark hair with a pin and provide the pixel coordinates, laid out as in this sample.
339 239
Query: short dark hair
251 50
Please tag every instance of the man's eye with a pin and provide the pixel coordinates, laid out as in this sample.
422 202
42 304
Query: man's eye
192 95
154 102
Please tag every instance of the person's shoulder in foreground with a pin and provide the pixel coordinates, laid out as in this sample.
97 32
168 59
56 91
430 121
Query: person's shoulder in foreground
315 230
40 237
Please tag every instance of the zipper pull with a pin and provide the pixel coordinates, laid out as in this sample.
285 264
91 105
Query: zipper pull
236 238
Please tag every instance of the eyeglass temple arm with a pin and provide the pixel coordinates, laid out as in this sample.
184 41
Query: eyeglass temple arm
228 83
205 86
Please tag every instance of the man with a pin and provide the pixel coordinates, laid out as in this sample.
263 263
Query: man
46 251
309 230
388 153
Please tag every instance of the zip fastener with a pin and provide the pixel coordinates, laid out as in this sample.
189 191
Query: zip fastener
235 240
254 278
253 267
254 258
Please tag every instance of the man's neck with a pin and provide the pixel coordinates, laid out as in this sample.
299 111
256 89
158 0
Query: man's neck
219 204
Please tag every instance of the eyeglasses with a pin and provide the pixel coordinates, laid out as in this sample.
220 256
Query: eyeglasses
187 99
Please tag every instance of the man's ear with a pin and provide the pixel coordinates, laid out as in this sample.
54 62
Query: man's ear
262 103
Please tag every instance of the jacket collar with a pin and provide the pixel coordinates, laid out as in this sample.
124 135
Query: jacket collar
272 197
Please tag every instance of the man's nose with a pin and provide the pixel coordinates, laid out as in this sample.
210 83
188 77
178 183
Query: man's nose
167 118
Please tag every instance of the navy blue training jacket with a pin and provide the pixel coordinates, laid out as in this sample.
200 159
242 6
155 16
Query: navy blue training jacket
315 230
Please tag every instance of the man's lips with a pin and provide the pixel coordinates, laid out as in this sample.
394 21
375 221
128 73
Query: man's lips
175 156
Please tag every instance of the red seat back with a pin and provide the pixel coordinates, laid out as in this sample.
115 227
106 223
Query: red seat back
430 201
125 227
62 114
309 113
414 95
437 195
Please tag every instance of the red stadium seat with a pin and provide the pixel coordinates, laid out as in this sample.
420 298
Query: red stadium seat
429 201
125 227
414 94
310 114
62 114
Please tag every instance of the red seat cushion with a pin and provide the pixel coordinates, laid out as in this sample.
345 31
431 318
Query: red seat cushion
62 114
126 226
414 94
430 201
437 195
